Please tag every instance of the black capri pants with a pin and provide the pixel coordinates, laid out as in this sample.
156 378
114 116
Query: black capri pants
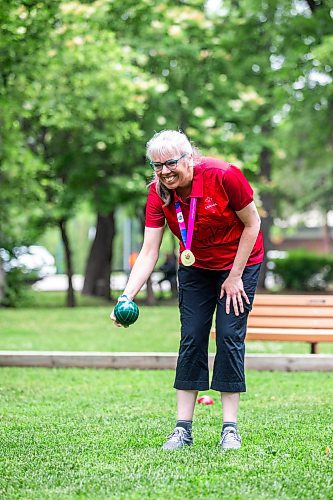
199 296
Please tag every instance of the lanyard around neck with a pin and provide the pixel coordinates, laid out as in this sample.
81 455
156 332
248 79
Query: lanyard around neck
186 234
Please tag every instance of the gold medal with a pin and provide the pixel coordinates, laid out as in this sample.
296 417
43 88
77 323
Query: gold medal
187 258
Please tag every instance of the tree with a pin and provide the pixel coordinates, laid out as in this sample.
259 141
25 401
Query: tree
107 75
82 111
25 28
207 85
267 49
305 137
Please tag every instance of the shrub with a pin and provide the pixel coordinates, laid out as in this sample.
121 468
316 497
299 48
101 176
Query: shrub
304 270
14 288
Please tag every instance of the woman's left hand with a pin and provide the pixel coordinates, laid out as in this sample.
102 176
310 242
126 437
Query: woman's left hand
233 288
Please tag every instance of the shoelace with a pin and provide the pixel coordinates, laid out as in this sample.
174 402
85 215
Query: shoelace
177 435
226 434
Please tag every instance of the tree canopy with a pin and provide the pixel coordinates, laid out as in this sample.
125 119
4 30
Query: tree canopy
85 84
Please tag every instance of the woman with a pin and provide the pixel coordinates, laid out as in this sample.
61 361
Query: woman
208 204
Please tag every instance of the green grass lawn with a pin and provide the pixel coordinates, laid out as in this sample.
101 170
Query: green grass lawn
70 433
44 325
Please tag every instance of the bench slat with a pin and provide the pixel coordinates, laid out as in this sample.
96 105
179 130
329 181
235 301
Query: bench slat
291 336
291 318
311 335
281 322
294 300
297 331
293 311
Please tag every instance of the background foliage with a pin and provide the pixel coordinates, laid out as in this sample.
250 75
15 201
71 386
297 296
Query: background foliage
304 270
84 85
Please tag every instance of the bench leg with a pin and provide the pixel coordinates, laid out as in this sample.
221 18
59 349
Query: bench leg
314 348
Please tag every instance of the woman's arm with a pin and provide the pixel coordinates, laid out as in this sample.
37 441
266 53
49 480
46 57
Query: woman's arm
144 264
233 285
251 220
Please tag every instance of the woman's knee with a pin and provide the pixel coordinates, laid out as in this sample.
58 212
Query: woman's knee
193 340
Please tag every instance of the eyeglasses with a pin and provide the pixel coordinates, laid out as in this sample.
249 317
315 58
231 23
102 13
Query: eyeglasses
170 164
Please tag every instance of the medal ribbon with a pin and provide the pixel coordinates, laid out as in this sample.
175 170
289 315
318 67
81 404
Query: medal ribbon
186 234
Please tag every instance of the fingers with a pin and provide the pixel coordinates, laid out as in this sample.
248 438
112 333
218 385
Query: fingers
227 303
236 299
112 316
235 304
122 298
116 323
233 290
240 302
114 319
247 300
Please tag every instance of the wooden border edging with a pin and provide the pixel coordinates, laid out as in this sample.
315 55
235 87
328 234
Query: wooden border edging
157 360
290 362
62 359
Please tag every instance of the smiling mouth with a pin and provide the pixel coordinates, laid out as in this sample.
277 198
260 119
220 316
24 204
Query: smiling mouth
169 179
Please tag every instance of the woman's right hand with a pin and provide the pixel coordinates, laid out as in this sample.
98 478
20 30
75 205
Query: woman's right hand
144 265
113 318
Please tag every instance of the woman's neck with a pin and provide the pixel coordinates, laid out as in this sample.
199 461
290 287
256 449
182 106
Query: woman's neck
184 191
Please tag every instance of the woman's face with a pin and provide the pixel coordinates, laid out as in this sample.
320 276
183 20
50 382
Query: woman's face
177 176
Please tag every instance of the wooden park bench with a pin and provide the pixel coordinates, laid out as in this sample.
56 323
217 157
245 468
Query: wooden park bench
291 318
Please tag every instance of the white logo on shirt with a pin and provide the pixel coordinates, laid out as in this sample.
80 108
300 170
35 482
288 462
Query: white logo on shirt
209 203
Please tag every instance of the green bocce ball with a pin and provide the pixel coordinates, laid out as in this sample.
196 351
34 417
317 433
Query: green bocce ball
126 312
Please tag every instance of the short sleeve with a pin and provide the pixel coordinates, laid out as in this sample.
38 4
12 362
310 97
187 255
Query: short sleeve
154 212
237 187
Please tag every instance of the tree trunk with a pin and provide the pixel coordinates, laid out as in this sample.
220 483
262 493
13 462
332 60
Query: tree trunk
2 283
98 270
70 302
267 199
313 4
150 297
327 239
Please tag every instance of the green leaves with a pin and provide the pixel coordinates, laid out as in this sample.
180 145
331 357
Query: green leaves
85 85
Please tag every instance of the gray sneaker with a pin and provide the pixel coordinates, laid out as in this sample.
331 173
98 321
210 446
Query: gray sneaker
177 439
230 439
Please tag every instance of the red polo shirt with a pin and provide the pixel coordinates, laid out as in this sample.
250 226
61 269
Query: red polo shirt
221 190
